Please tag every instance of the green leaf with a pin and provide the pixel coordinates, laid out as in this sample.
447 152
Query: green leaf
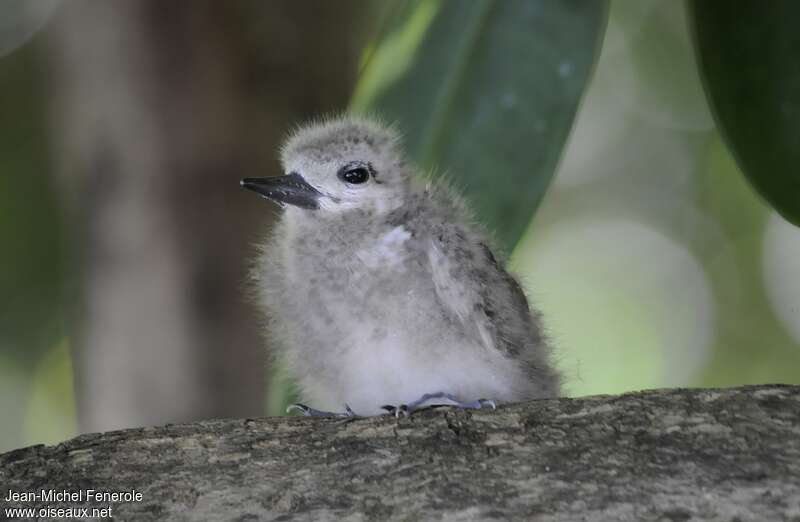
749 57
486 91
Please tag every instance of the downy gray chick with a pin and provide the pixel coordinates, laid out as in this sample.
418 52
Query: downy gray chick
383 293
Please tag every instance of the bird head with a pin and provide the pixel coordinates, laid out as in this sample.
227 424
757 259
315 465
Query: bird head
337 166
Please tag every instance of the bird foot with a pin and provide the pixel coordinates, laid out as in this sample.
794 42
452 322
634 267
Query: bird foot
311 412
406 409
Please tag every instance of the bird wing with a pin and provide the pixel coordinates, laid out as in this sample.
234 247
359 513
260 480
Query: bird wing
476 291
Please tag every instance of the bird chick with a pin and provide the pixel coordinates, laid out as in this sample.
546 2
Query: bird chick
383 293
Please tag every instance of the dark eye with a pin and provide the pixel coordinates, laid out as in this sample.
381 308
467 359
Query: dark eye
355 173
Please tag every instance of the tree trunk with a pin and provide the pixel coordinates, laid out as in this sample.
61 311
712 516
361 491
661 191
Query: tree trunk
720 455
161 108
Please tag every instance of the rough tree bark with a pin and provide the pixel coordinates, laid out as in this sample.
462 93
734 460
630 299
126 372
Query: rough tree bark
657 455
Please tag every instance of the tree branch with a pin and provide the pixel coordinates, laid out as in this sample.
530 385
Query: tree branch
658 455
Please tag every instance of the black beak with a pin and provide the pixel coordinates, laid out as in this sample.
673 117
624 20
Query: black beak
291 189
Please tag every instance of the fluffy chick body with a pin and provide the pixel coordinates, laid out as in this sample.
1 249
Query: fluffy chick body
380 297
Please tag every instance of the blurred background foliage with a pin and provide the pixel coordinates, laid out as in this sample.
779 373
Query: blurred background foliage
126 241
449 74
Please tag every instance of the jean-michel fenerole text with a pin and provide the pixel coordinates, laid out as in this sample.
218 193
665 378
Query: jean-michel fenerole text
82 495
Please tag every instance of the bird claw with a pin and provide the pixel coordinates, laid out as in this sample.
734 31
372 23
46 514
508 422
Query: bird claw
311 412
403 410
485 402
397 411
407 409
